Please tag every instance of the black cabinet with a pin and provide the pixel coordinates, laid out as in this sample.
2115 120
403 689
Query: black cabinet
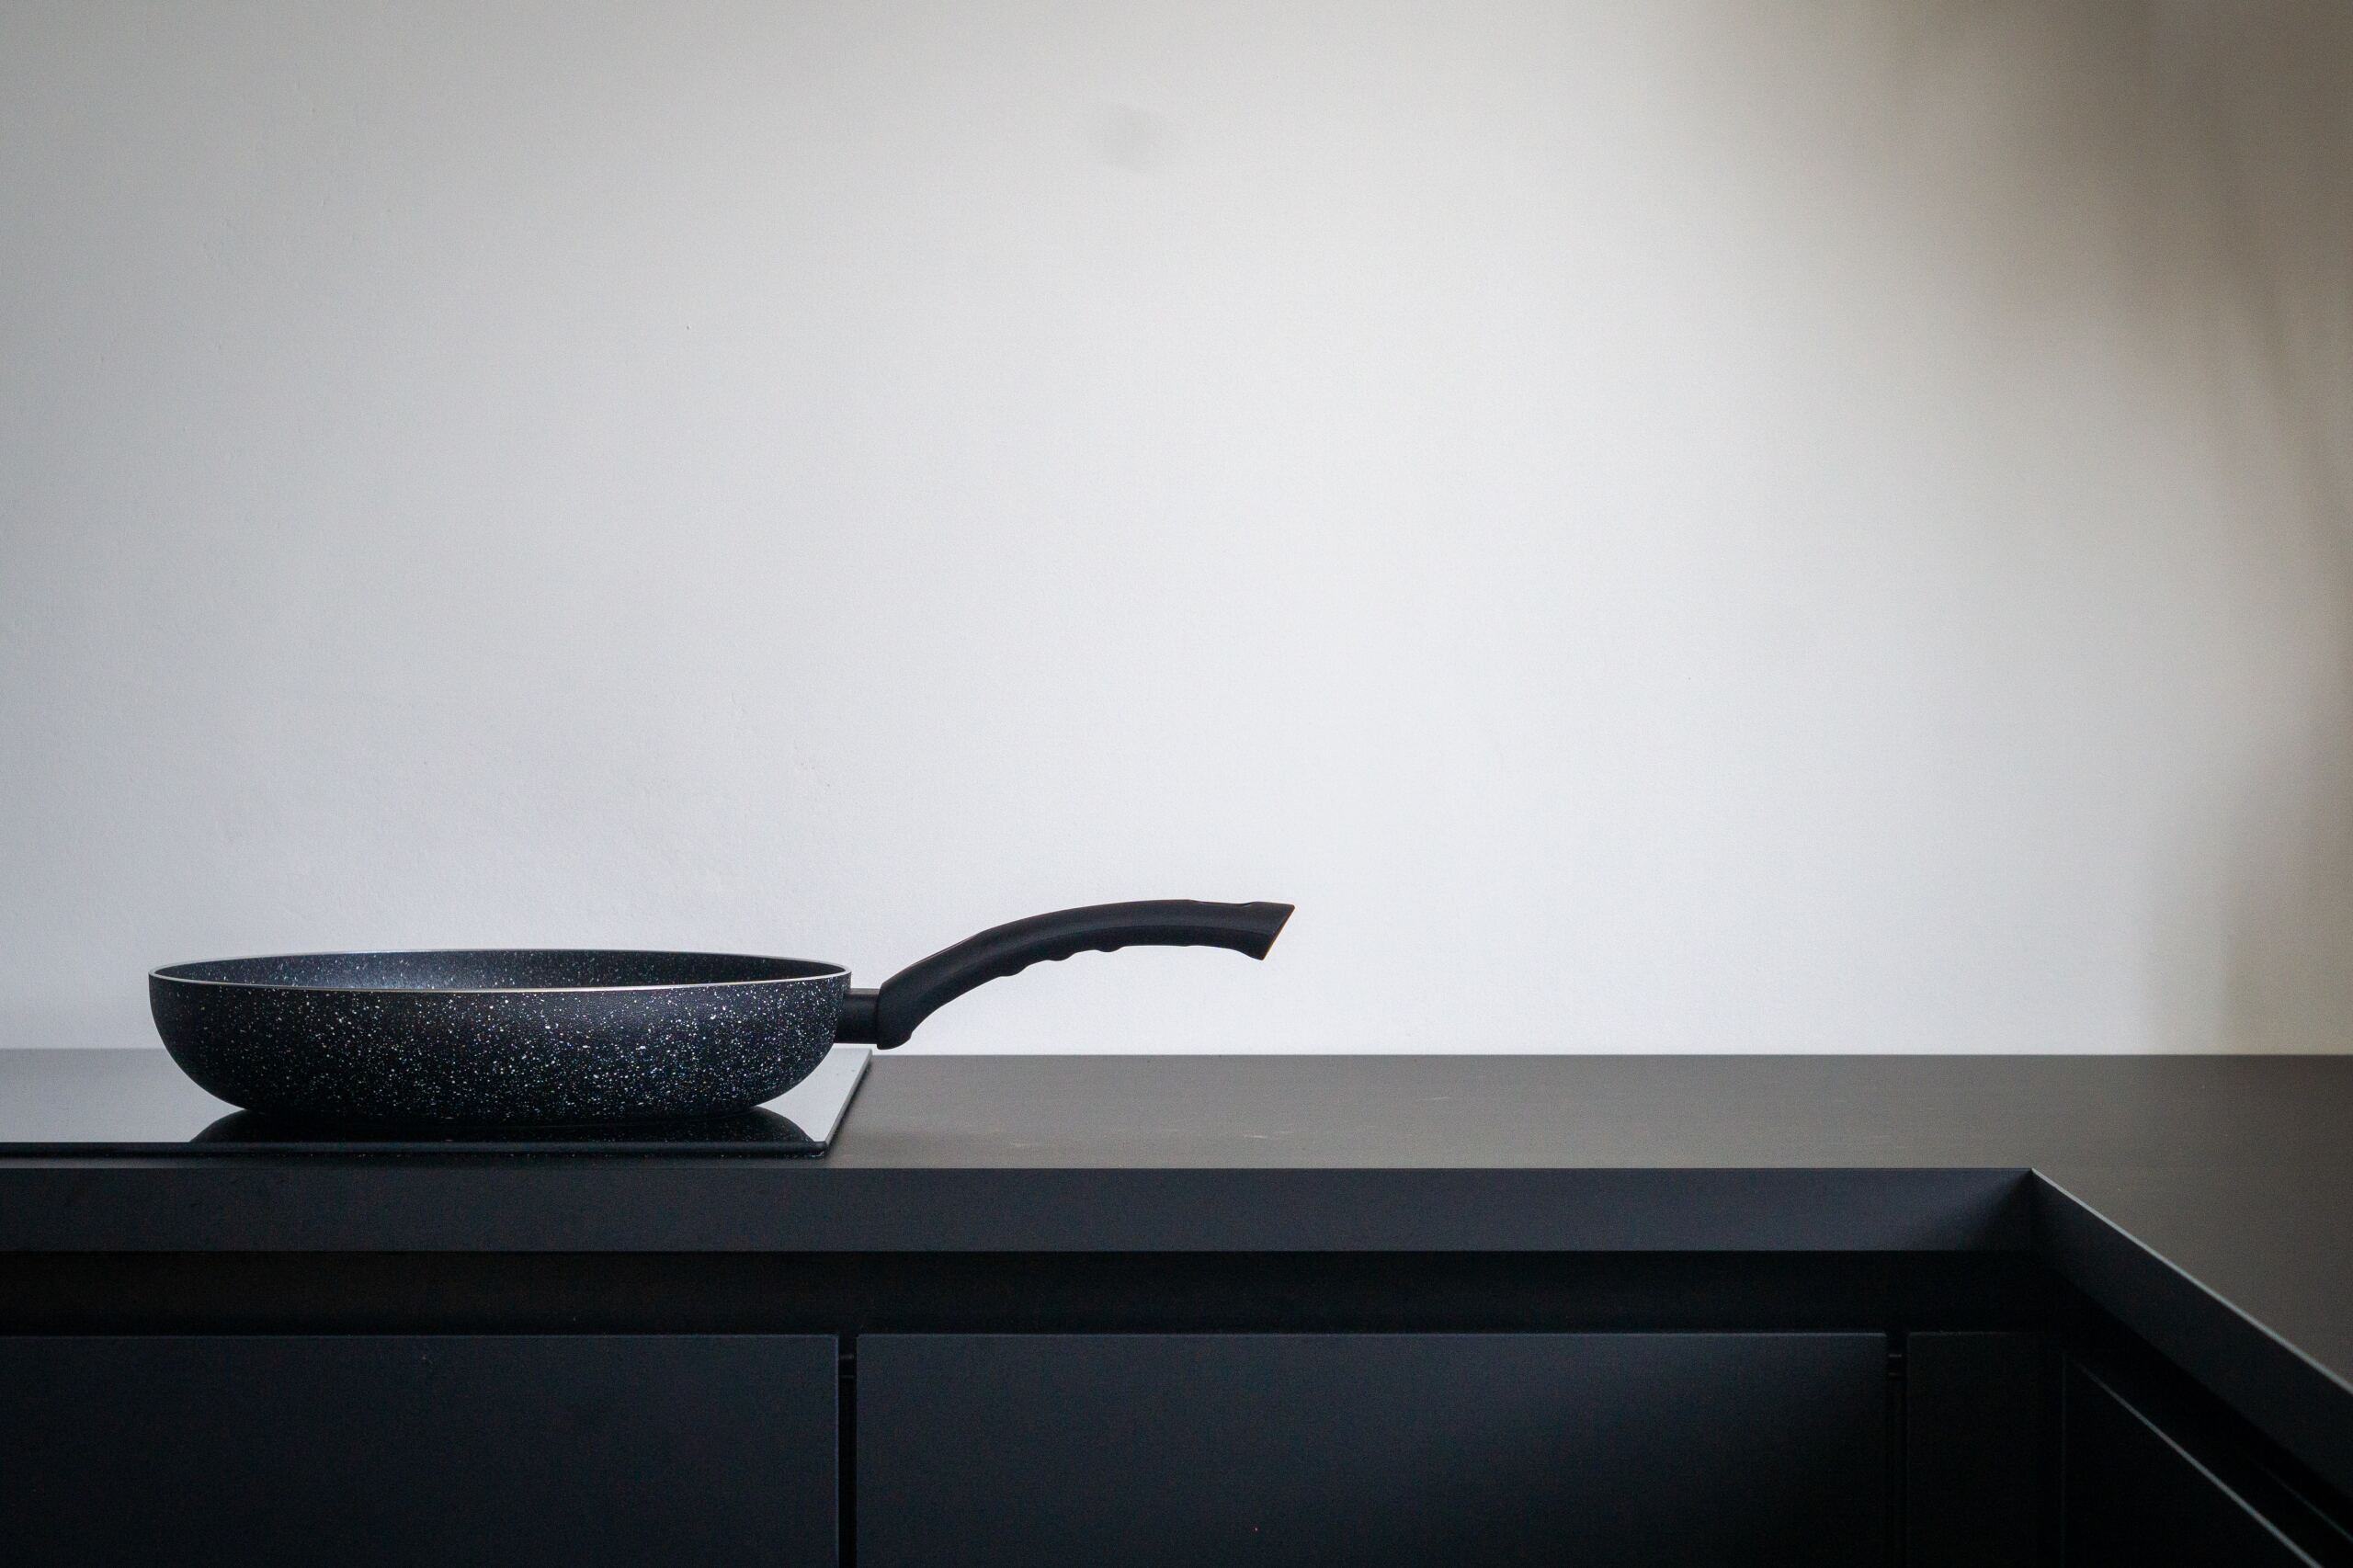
1367 1450
2135 1498
410 1449
1976 1449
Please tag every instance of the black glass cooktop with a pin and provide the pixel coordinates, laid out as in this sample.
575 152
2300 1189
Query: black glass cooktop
129 1103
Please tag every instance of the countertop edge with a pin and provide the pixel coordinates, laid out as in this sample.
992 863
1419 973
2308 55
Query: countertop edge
656 1205
2291 1398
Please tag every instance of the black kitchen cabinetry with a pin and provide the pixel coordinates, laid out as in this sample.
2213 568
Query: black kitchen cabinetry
406 1449
1931 1449
1943 1313
1976 1448
1152 1449
2137 1496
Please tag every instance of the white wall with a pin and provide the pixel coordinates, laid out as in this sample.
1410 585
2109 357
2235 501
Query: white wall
1662 527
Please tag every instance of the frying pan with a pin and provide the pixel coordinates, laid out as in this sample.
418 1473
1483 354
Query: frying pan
557 1036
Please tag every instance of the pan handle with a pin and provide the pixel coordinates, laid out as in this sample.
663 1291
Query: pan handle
887 1016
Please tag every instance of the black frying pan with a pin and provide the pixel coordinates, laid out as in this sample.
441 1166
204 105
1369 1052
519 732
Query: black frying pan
573 1035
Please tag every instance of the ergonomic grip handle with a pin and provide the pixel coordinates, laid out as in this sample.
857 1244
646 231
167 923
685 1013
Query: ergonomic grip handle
886 1016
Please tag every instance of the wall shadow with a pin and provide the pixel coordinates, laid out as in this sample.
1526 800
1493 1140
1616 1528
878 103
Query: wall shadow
2227 135
2207 153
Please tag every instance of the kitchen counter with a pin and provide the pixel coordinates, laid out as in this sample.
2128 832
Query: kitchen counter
2206 1203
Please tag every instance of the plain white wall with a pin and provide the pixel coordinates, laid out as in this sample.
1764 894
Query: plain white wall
1696 526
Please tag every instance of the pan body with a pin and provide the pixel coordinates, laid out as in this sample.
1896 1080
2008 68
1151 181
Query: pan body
498 1037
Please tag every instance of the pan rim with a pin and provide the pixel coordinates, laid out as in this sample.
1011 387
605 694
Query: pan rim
823 972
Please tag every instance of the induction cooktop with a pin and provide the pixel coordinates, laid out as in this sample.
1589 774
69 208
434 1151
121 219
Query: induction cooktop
117 1103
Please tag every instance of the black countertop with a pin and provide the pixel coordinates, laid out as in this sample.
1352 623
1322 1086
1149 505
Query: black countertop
2205 1201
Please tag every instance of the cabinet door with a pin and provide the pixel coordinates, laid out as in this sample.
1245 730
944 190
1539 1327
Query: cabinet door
562 1449
2135 1499
1975 1450
1369 1449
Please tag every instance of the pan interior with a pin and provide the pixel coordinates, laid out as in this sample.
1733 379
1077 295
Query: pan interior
499 969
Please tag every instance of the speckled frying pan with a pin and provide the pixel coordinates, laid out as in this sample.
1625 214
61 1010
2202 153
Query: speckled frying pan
557 1036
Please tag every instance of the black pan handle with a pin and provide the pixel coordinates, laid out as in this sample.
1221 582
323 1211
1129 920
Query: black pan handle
887 1016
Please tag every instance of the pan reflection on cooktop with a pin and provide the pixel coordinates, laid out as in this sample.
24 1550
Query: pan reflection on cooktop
251 1128
115 1103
